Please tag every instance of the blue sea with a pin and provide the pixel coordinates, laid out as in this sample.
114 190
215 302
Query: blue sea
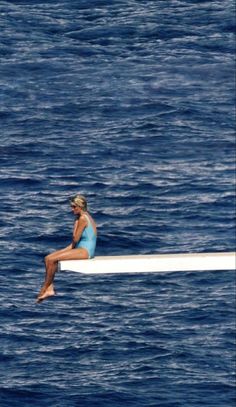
130 103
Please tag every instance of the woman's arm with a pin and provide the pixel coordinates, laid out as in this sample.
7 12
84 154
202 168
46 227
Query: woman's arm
79 226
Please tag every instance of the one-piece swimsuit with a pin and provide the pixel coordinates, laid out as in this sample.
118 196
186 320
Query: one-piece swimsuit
88 239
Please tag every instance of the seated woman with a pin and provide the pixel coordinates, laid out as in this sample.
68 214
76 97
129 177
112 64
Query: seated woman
82 246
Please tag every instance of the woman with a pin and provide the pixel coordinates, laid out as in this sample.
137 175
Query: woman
82 246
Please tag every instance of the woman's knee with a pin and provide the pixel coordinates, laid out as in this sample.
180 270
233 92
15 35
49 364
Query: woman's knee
48 259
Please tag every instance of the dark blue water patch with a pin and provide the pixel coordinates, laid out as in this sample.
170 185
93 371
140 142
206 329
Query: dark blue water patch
26 396
79 51
5 51
16 182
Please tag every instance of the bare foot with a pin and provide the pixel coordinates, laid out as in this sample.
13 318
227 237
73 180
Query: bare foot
49 292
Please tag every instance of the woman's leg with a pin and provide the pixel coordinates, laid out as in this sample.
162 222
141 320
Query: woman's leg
51 262
50 271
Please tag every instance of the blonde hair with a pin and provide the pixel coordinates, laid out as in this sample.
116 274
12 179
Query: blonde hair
80 201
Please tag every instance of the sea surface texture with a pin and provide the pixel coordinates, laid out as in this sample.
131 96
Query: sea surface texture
131 103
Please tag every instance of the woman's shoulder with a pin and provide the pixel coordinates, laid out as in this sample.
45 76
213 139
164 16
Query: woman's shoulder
82 220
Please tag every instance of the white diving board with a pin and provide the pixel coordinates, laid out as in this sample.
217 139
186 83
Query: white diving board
154 263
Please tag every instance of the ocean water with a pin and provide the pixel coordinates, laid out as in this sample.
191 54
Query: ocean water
130 103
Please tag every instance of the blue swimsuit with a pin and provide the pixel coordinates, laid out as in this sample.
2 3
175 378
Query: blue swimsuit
88 239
